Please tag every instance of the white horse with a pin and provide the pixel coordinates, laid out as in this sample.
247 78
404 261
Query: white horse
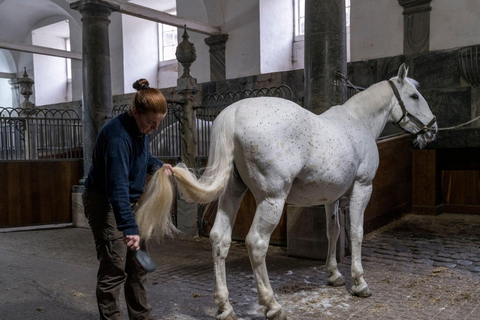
284 153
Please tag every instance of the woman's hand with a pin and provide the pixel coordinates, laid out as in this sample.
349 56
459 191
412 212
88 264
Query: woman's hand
132 242
168 169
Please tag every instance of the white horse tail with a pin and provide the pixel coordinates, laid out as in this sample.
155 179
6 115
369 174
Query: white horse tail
154 216
211 185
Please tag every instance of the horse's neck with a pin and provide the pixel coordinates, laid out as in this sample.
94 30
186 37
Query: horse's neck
372 107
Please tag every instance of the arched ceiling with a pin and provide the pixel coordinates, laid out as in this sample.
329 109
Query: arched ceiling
18 17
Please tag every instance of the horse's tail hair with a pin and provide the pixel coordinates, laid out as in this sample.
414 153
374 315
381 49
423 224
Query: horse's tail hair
154 214
219 168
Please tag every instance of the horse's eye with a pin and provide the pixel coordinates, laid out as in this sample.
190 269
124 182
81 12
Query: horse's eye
414 96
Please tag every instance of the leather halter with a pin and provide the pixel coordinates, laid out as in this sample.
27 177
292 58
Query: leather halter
424 127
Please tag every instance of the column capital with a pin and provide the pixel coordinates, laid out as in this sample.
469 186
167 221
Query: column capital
415 6
216 42
92 6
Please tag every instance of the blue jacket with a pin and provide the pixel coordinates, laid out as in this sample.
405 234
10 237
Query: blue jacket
120 161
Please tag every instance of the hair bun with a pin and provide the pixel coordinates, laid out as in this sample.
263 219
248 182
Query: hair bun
141 84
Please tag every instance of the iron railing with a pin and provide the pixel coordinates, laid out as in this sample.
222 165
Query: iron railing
28 134
32 134
214 103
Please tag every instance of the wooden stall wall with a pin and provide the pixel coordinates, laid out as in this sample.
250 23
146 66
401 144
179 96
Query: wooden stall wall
392 186
392 194
37 192
446 180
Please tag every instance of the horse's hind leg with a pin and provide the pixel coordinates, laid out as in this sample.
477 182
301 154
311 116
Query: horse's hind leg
358 202
221 238
267 216
334 277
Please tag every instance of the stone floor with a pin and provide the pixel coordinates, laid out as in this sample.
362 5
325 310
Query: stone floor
420 267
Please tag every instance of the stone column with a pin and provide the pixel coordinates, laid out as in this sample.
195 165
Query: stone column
187 213
97 86
217 56
416 25
97 81
325 53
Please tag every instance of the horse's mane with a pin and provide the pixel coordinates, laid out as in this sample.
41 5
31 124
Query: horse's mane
377 94
364 103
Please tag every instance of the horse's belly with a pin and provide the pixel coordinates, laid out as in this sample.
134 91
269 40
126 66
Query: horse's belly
315 193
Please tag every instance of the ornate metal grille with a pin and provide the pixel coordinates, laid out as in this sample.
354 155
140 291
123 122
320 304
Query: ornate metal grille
31 134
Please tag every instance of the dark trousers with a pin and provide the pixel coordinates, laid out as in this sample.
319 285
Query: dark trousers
117 264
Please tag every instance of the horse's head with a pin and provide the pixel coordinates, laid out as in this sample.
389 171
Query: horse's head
411 112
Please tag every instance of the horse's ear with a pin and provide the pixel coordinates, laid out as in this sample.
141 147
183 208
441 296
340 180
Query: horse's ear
402 72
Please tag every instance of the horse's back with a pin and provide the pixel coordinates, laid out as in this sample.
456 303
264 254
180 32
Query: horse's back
283 148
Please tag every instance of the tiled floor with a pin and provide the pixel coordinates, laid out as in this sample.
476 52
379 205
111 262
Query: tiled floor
420 267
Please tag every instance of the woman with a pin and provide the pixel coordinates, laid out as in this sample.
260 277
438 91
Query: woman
121 160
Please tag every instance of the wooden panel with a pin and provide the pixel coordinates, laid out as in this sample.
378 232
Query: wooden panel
426 182
392 186
37 192
461 191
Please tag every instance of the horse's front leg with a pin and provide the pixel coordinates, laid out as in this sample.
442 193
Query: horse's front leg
221 238
267 216
359 198
334 277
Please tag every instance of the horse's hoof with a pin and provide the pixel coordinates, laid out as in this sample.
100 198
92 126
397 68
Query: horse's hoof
226 315
277 315
361 291
336 280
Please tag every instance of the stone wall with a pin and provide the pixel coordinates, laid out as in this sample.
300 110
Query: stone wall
451 98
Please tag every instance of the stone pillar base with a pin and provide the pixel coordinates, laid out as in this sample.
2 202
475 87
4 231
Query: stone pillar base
78 216
187 218
307 233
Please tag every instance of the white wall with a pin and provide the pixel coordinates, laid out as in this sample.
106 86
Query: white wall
5 93
454 24
373 32
115 35
140 51
260 35
243 46
50 72
76 46
237 18
7 65
276 35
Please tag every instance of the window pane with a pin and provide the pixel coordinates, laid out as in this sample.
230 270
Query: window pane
169 52
300 18
169 38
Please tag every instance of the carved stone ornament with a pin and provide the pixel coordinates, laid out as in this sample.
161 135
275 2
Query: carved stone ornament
26 85
186 54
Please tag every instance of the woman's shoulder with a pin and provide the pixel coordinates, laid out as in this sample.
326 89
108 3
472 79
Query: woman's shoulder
115 128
